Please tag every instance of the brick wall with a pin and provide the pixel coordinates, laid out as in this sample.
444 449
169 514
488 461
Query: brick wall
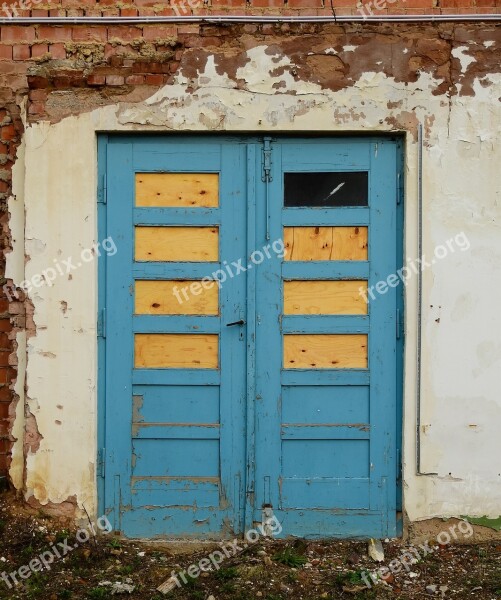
10 130
93 8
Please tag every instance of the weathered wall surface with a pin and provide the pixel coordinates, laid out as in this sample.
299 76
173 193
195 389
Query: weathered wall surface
284 78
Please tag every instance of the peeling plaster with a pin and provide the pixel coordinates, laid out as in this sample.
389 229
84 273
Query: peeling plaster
266 93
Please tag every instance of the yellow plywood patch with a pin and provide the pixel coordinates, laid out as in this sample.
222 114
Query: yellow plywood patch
325 243
177 244
176 298
325 351
177 189
175 351
325 297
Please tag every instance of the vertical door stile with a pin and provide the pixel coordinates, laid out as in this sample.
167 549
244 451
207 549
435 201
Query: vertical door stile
250 461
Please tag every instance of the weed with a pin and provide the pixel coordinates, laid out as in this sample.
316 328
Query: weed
98 593
226 573
290 558
350 578
62 535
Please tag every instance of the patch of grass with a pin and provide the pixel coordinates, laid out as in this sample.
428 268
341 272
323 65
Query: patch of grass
226 573
99 593
228 587
290 558
115 544
349 578
127 569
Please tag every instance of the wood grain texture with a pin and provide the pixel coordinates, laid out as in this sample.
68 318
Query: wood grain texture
325 351
177 244
175 351
177 189
174 297
324 297
325 243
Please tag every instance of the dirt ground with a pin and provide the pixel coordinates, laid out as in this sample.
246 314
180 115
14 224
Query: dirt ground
107 566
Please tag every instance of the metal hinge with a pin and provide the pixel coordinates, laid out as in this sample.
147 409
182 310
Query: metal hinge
102 190
266 177
101 323
101 462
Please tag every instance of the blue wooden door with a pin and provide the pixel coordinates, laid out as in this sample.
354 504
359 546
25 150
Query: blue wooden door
175 372
326 376
242 372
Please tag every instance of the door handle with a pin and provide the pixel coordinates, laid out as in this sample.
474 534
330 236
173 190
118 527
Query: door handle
241 322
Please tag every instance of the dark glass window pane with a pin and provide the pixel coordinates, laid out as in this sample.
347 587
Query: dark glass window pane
326 189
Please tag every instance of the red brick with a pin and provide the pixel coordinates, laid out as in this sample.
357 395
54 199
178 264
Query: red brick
37 95
128 12
4 358
4 462
127 34
5 446
5 393
54 34
39 50
155 32
38 12
267 3
4 408
114 80
86 34
96 79
134 80
14 33
8 133
5 52
154 79
21 52
5 325
57 51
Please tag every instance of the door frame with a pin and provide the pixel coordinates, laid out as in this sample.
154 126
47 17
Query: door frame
247 506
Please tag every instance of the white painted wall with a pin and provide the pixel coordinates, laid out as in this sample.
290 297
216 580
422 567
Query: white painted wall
461 403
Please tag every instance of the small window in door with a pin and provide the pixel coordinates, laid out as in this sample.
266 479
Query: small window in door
328 190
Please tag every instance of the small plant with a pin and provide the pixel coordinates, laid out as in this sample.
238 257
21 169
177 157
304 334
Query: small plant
98 593
290 558
226 573
350 578
115 544
126 570
62 535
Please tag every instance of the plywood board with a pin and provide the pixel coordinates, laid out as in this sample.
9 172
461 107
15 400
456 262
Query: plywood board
325 351
175 297
175 351
325 243
325 297
177 189
177 244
